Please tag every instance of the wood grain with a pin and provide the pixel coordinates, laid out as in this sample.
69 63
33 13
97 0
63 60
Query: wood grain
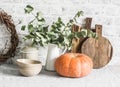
100 50
88 23
77 43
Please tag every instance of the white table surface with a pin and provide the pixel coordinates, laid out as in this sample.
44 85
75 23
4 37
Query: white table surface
108 76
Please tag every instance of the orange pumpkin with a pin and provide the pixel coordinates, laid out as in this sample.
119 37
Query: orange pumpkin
73 65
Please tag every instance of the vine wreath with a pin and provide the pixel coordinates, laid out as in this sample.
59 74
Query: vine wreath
6 19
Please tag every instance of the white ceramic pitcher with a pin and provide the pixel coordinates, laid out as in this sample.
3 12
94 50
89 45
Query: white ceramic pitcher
53 52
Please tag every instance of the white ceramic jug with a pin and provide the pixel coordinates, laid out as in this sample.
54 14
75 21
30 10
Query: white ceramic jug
53 52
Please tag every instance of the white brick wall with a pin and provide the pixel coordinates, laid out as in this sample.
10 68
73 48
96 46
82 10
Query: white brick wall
105 12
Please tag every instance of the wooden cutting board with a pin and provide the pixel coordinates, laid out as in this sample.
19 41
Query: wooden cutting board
100 50
77 43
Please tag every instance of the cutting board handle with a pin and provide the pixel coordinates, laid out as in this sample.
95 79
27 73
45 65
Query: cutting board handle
88 23
75 42
98 29
76 28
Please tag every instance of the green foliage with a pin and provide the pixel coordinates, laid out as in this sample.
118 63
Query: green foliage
28 9
23 27
62 35
37 29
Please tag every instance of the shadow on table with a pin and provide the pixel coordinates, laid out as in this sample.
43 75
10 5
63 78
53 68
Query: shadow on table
9 70
12 70
48 73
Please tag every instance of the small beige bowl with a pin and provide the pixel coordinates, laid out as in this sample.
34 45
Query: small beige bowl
28 67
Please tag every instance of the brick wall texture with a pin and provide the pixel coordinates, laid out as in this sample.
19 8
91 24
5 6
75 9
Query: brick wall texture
104 12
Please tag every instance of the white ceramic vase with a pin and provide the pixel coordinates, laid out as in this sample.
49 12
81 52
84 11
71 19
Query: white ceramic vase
53 52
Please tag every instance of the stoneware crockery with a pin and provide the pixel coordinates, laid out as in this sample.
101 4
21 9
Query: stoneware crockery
29 52
28 67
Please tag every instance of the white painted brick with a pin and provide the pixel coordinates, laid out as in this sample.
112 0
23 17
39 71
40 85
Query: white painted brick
79 2
43 8
72 10
5 1
110 31
115 2
51 9
31 1
17 1
9 8
87 10
105 21
66 3
114 41
50 19
18 19
117 21
19 9
104 12
100 1
114 61
51 2
55 9
111 11
98 10
117 30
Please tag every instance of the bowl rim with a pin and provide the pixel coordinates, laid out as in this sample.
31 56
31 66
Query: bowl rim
27 61
29 52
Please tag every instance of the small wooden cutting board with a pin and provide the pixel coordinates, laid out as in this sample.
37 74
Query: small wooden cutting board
100 49
77 43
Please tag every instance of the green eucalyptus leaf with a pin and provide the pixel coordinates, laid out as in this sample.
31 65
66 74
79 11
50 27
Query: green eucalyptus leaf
45 29
28 36
28 9
42 20
38 34
71 21
66 40
59 19
39 15
79 13
53 27
37 29
37 39
51 33
75 20
58 25
90 33
94 35
61 39
71 36
23 27
84 32
79 34
30 28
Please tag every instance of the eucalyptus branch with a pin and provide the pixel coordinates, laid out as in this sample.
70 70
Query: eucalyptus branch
33 14
36 32
32 21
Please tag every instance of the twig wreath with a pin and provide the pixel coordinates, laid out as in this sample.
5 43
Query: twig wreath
6 19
